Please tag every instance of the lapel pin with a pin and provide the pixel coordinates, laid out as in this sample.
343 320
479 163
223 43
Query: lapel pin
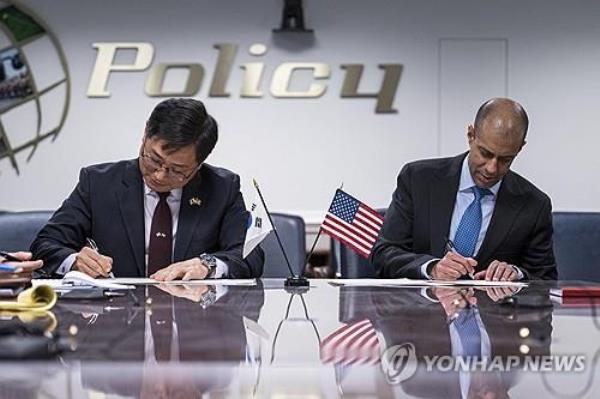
195 201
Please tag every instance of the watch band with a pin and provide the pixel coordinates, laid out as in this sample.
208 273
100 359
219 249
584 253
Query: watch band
210 262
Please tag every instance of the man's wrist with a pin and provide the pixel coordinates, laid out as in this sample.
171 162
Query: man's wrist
429 269
210 263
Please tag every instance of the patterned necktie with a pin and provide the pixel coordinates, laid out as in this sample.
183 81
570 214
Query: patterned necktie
467 233
161 236
469 333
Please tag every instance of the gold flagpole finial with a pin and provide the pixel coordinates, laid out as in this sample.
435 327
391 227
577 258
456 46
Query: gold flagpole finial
255 183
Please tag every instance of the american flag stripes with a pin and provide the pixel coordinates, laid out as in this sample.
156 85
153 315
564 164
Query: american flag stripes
353 223
352 343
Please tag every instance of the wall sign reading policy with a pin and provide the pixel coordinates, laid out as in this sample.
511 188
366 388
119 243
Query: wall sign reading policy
281 79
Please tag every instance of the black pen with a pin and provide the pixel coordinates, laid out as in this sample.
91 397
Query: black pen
92 244
9 257
450 247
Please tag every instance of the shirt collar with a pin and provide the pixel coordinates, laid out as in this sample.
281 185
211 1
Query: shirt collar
175 193
466 180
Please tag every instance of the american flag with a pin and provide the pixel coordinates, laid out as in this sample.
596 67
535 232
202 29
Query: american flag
352 343
352 223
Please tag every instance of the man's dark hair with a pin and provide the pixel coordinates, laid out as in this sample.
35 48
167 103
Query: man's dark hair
181 122
502 105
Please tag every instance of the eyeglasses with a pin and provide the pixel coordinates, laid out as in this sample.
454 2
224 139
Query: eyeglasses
154 164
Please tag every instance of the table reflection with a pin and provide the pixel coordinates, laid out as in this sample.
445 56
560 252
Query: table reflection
157 329
418 334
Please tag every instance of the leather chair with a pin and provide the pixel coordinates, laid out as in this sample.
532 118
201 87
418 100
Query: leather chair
350 264
292 231
18 229
577 245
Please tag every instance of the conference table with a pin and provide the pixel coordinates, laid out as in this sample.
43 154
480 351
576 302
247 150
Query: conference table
336 339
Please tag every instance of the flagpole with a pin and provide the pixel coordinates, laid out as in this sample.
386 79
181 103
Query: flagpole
294 280
312 248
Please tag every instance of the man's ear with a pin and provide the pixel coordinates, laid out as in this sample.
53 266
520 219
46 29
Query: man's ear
470 133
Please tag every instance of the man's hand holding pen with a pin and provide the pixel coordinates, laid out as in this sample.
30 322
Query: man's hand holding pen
453 265
20 260
92 262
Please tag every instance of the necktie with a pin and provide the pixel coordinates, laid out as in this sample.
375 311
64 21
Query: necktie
161 231
467 233
469 333
161 321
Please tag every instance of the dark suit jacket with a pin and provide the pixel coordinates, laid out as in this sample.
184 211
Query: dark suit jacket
108 206
419 216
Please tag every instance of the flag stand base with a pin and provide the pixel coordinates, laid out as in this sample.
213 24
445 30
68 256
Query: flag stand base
296 281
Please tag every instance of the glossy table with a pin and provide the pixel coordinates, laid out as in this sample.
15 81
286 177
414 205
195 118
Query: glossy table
263 341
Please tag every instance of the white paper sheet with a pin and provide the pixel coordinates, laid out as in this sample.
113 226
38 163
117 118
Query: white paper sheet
404 282
58 283
214 281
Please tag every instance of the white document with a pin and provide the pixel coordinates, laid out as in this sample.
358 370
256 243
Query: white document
128 282
150 281
404 282
78 279
378 282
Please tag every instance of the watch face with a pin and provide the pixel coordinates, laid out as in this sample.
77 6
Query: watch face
209 260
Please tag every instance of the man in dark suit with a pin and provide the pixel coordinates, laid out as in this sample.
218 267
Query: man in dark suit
499 224
166 214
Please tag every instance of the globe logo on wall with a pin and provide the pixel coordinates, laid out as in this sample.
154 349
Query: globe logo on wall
34 85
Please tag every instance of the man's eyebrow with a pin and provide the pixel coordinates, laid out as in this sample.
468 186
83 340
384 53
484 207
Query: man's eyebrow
171 165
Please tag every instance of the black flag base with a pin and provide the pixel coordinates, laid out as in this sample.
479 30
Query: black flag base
296 281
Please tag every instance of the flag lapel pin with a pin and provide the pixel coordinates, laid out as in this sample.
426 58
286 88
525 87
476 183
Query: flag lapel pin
195 201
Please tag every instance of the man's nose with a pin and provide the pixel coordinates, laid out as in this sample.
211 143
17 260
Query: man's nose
160 173
491 167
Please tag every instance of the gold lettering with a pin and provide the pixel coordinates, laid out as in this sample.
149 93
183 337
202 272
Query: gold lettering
253 73
223 69
387 91
144 53
283 76
156 79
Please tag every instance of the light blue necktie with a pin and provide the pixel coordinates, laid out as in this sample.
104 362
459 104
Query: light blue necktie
467 233
468 332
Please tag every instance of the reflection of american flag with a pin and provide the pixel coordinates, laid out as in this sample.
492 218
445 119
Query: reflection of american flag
353 343
353 223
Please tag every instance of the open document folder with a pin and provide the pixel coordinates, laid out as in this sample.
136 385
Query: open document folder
76 279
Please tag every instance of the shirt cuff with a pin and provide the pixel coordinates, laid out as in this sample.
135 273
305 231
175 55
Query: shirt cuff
424 268
520 274
66 264
222 269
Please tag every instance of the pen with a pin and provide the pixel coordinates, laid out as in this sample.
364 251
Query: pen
92 244
10 269
450 247
9 257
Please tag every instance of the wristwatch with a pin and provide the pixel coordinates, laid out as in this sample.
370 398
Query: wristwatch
209 297
210 262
